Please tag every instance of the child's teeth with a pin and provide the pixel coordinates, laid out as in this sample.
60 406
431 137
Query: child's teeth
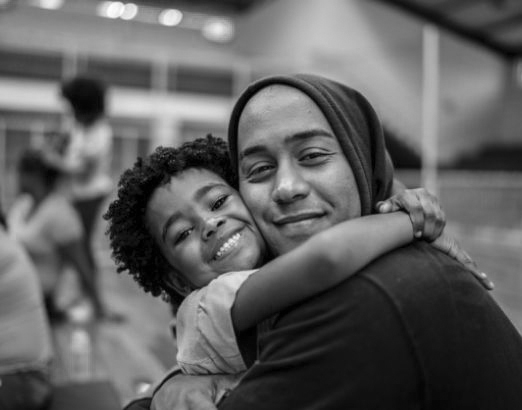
232 241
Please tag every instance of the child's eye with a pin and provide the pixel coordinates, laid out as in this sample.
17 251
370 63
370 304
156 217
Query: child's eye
219 203
182 236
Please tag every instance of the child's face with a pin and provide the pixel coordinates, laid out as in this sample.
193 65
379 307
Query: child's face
202 227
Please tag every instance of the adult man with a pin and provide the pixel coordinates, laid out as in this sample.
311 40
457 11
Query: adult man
309 154
391 337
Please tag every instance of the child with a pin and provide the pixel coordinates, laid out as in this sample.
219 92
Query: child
180 228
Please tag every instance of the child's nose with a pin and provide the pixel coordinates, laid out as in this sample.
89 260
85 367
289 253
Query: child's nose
212 225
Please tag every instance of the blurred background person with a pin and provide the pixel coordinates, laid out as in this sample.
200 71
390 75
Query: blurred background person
44 221
25 342
84 156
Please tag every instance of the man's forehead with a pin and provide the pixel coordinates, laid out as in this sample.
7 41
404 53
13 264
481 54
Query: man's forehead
280 92
280 115
277 105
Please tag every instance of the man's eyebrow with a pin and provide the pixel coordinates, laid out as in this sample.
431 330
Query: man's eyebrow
253 149
302 135
200 193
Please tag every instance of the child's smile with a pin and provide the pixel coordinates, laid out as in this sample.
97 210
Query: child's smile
227 247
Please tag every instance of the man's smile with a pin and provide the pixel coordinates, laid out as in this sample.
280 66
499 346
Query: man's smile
296 218
301 224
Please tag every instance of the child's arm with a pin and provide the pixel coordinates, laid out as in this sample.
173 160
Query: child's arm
321 262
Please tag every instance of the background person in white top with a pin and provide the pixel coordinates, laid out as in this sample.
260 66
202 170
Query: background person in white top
86 156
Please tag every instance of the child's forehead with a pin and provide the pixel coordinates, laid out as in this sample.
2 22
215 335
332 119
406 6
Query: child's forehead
196 184
198 176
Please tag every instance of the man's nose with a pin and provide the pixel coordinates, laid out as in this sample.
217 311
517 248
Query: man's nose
211 226
290 184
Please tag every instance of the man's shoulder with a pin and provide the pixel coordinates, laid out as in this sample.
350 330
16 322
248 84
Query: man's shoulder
418 262
418 269
400 279
423 285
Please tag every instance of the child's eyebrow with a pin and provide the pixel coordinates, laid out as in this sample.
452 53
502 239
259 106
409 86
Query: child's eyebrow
198 195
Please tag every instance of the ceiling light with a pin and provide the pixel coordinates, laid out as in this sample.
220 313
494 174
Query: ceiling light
49 4
111 9
115 9
218 29
170 17
130 10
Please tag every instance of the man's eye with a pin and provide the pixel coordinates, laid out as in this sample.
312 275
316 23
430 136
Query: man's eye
219 203
259 171
315 157
182 236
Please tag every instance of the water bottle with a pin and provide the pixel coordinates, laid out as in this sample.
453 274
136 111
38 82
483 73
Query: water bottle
80 346
80 355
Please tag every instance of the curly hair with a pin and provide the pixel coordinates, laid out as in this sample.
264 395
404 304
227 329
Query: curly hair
87 98
133 247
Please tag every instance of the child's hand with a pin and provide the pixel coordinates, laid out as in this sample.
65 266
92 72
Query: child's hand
183 392
427 217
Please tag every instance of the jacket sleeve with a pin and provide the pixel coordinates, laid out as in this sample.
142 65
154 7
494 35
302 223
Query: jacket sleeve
144 401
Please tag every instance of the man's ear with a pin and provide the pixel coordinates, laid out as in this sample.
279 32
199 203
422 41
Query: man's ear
178 283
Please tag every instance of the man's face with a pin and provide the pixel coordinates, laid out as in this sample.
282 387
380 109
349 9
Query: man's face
294 177
203 227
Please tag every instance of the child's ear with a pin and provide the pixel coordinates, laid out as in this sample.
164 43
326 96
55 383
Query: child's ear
178 283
